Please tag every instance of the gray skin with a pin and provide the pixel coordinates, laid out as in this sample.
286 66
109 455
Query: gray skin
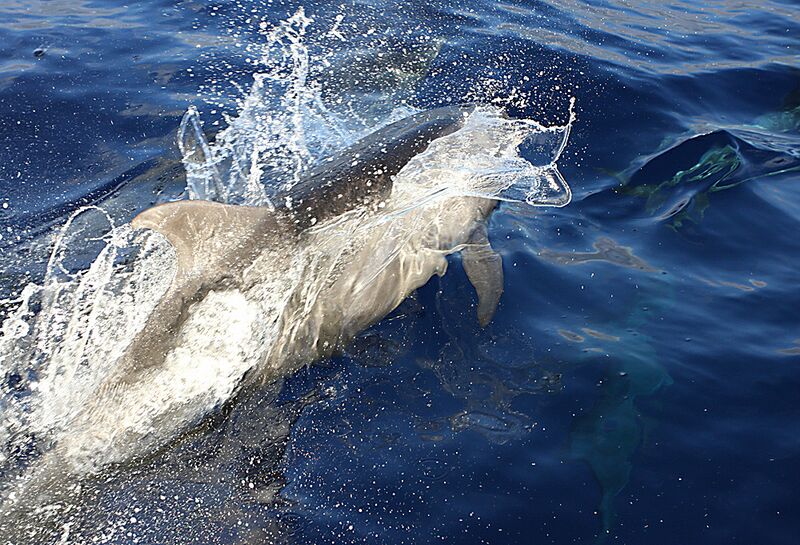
216 243
226 248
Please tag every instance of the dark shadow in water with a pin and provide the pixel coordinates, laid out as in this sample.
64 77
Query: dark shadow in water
609 434
675 186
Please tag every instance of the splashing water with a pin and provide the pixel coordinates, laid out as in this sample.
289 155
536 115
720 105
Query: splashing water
281 126
284 127
59 340
67 333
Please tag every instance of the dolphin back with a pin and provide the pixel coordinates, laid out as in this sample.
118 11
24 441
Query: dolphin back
361 175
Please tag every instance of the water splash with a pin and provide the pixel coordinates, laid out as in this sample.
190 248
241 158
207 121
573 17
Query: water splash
284 126
281 128
59 341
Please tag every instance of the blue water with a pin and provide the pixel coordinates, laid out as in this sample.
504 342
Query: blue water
639 383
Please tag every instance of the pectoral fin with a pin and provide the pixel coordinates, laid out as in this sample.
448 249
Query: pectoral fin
484 268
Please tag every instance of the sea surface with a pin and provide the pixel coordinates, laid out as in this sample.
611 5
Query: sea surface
640 382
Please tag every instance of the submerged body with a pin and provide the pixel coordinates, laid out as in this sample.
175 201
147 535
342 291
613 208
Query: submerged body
258 292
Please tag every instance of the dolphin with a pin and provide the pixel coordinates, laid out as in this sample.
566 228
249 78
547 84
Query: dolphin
217 246
272 288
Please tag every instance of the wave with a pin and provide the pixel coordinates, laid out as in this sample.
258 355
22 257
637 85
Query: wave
676 185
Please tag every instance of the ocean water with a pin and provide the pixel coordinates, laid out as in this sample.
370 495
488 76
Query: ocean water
639 381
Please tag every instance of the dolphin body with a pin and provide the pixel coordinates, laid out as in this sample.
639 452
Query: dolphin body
218 245
331 278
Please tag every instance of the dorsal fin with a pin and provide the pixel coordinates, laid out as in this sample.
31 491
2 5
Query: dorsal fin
202 231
